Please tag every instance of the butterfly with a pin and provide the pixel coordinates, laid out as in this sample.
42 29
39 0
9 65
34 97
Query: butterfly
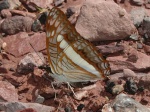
71 57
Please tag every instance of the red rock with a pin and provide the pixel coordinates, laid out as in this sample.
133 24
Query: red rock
22 13
28 110
120 62
8 92
147 6
4 4
117 89
6 13
80 95
128 73
16 24
97 21
20 43
1 42
40 3
14 4
31 60
146 48
19 106
110 49
127 105
58 2
48 92
145 81
137 2
37 74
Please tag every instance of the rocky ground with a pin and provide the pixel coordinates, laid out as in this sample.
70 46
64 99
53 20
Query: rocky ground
120 29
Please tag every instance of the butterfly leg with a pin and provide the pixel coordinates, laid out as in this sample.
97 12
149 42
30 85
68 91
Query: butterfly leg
69 86
52 84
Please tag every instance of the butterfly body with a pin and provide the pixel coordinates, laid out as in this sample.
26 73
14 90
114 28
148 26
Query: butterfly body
71 57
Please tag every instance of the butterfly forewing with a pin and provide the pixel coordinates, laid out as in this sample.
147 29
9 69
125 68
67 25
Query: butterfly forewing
71 57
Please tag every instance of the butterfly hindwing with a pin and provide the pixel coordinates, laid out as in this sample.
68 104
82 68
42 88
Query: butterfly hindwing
69 54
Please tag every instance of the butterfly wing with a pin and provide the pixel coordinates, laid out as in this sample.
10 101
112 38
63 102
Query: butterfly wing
69 54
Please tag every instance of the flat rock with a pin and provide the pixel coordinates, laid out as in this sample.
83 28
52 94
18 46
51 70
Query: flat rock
28 110
40 3
138 2
146 26
137 16
6 13
31 60
145 80
4 4
124 103
104 20
20 43
22 13
19 106
58 2
135 61
110 49
16 24
14 3
7 92
128 73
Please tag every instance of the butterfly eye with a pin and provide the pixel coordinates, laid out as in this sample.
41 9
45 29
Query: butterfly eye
71 57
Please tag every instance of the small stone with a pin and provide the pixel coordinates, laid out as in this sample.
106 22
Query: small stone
70 11
4 45
8 92
139 45
48 92
146 26
42 18
131 86
117 89
89 87
39 99
4 4
147 6
134 36
132 58
145 100
30 61
16 24
5 13
58 2
141 88
123 103
137 2
28 110
18 106
36 26
80 95
110 49
128 73
68 109
137 16
80 107
32 5
109 86
146 48
148 1
37 73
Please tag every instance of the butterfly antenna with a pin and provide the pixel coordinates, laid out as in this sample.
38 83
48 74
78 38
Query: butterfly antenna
36 52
